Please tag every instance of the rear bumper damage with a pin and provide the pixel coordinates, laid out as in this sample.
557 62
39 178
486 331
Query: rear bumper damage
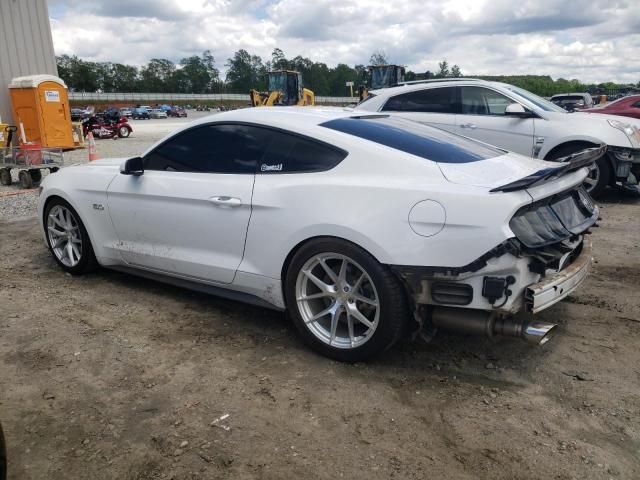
557 286
528 281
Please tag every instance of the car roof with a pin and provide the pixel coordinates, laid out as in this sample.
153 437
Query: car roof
576 94
303 120
291 116
425 84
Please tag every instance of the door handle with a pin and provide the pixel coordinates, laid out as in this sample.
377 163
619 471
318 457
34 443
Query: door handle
224 201
472 126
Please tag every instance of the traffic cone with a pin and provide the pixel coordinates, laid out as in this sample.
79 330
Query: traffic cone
93 152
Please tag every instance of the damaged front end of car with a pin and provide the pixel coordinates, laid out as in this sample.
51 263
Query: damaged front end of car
547 258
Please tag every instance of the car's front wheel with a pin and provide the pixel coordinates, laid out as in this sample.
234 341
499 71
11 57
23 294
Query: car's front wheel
345 304
599 172
67 238
123 132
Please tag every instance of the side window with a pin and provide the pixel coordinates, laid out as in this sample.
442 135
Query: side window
431 100
294 154
211 149
483 101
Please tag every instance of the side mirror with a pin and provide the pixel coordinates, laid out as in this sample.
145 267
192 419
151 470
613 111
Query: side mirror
132 166
516 110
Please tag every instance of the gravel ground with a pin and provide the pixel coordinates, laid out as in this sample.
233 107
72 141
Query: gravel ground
108 376
145 133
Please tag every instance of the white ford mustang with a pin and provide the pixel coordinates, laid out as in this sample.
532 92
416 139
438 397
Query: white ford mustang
363 227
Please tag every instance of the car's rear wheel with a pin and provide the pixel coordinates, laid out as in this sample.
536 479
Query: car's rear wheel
67 238
345 304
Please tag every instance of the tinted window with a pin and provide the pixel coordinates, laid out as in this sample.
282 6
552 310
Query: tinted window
212 149
483 101
433 100
294 154
415 138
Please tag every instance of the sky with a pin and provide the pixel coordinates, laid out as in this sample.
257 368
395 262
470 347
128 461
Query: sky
591 40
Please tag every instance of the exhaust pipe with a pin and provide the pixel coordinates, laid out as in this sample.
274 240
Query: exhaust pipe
478 322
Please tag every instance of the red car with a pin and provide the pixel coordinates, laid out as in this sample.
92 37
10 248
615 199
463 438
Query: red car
177 112
625 106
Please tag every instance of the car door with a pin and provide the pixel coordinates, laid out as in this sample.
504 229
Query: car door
482 116
431 106
187 214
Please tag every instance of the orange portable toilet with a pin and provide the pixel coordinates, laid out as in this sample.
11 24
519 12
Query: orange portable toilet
41 104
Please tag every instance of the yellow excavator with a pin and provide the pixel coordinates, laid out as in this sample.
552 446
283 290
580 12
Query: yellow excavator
381 76
285 88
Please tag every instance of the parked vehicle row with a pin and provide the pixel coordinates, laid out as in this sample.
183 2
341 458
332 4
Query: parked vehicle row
519 121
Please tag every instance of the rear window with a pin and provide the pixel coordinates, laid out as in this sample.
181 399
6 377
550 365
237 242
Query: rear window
414 138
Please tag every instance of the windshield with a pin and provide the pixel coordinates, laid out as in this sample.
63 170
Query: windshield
382 77
415 138
539 102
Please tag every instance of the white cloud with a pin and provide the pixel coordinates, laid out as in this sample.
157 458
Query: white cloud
593 40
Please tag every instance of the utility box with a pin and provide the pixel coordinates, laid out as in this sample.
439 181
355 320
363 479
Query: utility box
41 109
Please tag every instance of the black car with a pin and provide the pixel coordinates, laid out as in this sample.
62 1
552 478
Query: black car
77 114
140 114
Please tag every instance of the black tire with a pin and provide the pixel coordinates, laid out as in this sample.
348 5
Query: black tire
36 176
25 179
3 456
88 262
603 171
123 132
392 299
5 177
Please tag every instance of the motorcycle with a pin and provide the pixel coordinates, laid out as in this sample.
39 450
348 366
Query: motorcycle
106 126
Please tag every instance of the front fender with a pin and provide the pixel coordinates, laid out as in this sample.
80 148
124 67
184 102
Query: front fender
85 189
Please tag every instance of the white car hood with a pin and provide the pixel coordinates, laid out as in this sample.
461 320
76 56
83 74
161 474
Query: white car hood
493 172
107 162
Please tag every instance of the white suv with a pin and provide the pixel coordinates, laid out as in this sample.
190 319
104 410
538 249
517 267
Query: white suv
517 120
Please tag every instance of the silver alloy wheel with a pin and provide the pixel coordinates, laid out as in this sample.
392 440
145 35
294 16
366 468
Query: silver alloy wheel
124 132
337 300
64 235
592 178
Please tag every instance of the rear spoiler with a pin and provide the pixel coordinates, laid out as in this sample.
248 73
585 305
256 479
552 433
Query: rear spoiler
570 163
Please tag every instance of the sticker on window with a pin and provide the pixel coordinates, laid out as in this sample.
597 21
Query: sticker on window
52 96
271 168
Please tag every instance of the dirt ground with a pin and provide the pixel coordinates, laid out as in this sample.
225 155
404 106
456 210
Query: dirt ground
108 376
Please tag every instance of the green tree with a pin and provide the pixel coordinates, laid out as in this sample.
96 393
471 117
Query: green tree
455 71
245 72
197 74
379 57
159 76
443 69
278 60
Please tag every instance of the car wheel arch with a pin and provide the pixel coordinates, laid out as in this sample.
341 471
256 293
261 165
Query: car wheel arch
287 261
87 225
567 144
576 143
